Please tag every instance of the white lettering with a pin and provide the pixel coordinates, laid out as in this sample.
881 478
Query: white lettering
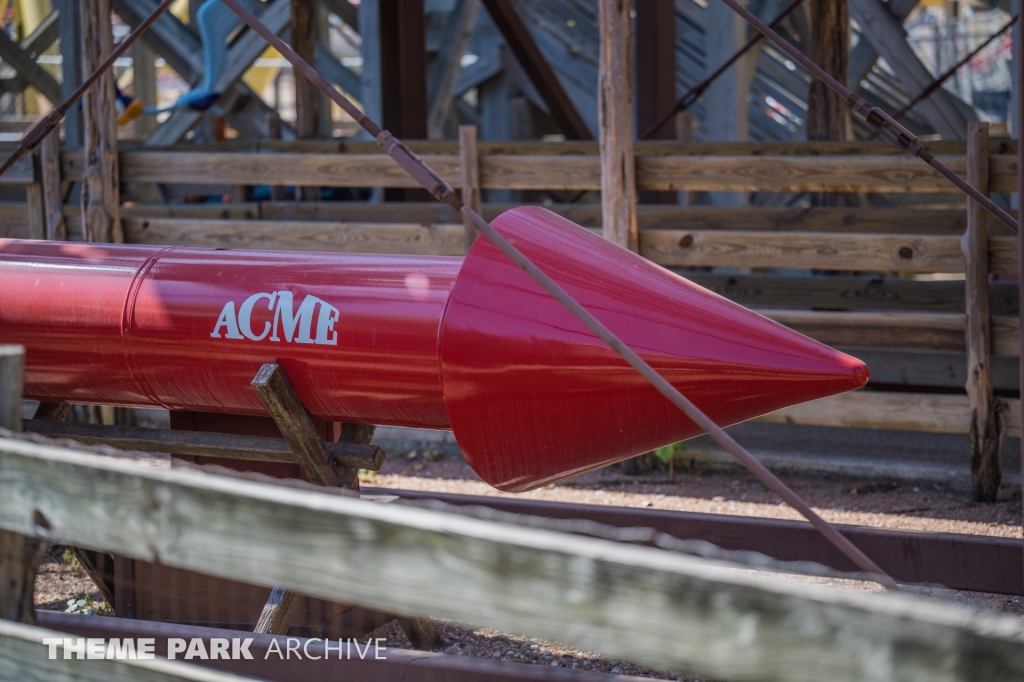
53 643
121 648
284 314
327 648
305 650
378 647
219 648
74 646
196 649
175 646
227 319
291 648
361 653
274 648
146 648
245 316
241 650
96 648
325 325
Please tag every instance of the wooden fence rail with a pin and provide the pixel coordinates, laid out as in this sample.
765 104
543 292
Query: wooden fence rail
665 609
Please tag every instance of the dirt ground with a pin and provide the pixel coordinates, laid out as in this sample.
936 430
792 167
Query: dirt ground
877 503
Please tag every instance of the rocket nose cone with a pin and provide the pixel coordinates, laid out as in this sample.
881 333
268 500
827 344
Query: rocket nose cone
533 396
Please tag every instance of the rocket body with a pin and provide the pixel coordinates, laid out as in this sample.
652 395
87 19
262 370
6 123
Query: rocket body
470 344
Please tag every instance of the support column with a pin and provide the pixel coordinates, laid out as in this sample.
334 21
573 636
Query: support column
70 26
828 114
403 72
144 86
988 414
307 96
726 99
655 76
469 170
19 555
615 121
101 216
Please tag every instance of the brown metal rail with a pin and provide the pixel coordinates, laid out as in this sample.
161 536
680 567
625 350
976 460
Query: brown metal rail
443 192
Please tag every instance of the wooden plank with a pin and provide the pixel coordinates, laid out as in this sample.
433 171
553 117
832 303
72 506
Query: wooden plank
849 293
506 171
904 253
26 66
436 240
455 39
664 609
791 173
987 428
935 413
23 172
24 655
615 124
903 331
53 190
1003 173
203 444
896 368
34 206
295 424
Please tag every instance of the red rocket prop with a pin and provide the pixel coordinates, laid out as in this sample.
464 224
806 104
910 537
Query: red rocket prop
474 344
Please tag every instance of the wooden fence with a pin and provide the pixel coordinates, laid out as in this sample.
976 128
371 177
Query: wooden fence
664 609
909 330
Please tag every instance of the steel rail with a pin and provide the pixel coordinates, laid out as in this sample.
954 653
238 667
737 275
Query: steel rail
694 93
437 187
875 117
46 124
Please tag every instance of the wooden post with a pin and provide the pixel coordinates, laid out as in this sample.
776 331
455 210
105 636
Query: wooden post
70 26
34 202
101 216
827 112
307 96
53 190
684 133
19 555
277 192
655 77
469 170
988 414
615 120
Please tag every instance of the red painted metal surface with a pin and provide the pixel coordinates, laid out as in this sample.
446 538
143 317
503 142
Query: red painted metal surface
432 342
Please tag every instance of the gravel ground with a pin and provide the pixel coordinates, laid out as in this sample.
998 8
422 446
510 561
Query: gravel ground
892 504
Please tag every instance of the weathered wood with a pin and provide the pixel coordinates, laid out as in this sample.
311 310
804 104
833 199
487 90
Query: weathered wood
52 411
828 112
53 191
34 74
904 253
849 293
440 240
24 656
307 96
664 609
469 173
279 612
822 173
904 330
99 174
34 207
445 72
203 444
930 369
615 124
23 172
19 554
930 412
988 431
277 394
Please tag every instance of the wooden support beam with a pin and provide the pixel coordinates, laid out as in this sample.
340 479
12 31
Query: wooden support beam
522 44
828 113
19 555
203 444
52 187
34 200
882 29
445 73
615 116
863 57
987 414
307 96
70 13
668 610
656 77
469 171
27 68
101 184
295 424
